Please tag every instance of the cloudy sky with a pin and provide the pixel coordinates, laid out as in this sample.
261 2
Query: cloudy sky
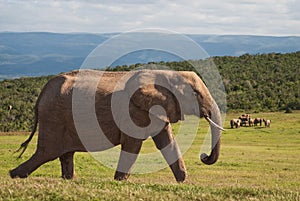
255 17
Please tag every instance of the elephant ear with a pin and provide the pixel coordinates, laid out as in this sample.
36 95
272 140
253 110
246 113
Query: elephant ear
152 88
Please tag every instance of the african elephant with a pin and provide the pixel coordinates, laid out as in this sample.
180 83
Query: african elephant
235 123
172 91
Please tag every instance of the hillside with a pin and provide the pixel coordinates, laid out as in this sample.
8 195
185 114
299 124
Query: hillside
42 53
254 83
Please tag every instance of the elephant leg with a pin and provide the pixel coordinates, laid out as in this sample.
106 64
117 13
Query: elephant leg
130 148
26 168
167 144
67 165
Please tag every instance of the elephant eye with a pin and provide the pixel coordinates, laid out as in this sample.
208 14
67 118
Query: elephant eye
195 93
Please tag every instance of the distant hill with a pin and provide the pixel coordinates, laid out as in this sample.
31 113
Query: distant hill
41 53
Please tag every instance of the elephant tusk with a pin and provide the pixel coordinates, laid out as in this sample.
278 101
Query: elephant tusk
213 123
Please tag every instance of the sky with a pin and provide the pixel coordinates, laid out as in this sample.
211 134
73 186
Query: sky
245 17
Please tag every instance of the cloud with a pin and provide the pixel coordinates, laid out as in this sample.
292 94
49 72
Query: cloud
268 17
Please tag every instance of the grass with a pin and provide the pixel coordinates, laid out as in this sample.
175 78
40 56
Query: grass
256 163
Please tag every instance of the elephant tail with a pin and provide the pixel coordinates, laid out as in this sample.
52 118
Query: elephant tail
24 145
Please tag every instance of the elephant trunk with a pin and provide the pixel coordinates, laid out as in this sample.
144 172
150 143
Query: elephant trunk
216 129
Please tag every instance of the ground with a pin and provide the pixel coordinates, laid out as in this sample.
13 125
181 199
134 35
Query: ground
256 163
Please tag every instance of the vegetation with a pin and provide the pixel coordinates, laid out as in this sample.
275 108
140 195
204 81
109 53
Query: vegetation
17 99
256 163
254 83
267 82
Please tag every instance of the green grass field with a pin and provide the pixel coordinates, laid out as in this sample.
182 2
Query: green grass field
256 163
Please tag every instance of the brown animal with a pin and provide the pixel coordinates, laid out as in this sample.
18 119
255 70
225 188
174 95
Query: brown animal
62 112
235 123
244 119
267 122
251 121
257 121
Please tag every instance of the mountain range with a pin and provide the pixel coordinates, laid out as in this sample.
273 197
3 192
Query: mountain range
44 53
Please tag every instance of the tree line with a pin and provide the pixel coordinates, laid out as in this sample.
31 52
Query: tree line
253 83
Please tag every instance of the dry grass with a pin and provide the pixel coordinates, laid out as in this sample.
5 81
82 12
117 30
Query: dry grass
255 164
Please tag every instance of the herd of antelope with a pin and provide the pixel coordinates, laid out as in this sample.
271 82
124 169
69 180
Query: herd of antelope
246 120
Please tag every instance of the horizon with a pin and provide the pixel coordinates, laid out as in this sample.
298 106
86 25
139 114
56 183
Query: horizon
40 53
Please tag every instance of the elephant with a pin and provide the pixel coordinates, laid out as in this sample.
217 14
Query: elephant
257 121
267 122
172 91
235 123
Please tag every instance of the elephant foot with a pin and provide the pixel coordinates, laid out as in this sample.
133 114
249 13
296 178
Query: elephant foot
15 173
179 170
181 176
120 176
67 165
68 176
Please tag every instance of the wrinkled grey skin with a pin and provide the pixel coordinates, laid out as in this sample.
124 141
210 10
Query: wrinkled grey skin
58 137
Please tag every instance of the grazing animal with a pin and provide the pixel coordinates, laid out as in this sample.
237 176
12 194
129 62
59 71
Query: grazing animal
251 122
267 122
235 123
257 121
244 119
